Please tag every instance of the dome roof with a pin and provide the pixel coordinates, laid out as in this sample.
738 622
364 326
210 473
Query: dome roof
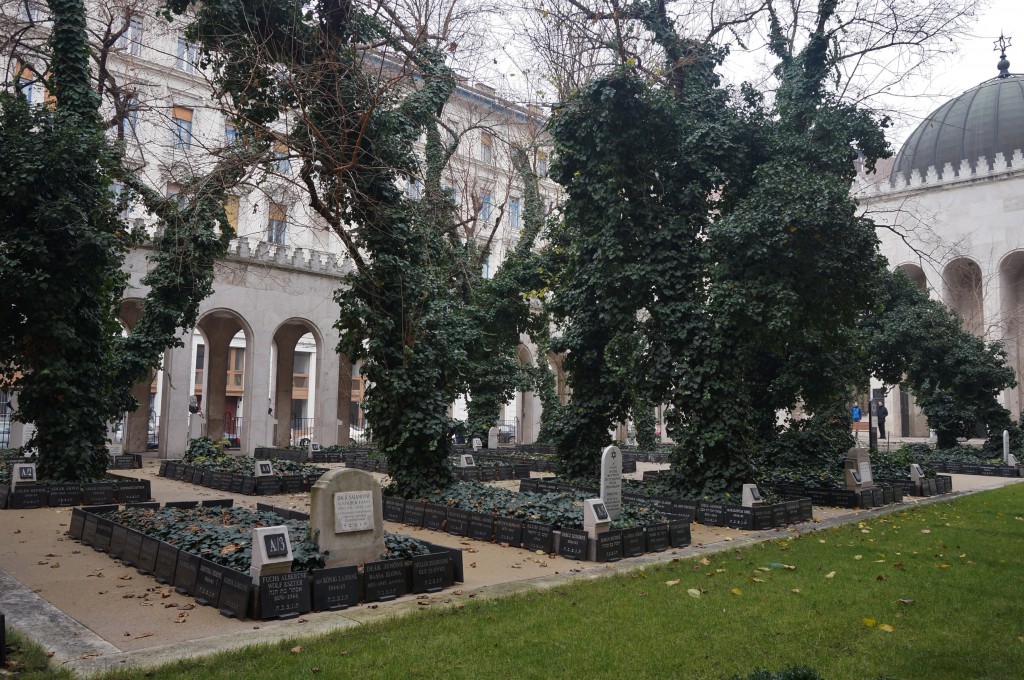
983 121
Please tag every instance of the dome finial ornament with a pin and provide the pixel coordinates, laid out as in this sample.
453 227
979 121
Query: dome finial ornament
1004 64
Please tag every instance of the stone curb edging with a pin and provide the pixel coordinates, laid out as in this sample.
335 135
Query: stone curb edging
81 650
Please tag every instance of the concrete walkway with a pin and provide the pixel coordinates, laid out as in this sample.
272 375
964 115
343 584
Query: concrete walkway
94 614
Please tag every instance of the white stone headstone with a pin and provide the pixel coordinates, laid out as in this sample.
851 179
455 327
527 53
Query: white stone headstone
596 519
1011 460
751 496
492 438
314 447
916 474
859 460
466 461
195 426
346 517
611 481
263 468
23 474
115 449
1006 445
271 552
477 444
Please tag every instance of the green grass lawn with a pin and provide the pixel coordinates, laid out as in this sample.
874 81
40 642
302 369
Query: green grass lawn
932 592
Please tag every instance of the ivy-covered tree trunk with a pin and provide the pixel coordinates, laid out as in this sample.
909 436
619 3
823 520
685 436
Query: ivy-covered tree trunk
644 424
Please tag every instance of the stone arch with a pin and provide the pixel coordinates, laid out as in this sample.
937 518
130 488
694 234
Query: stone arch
527 404
916 274
140 428
298 351
555 361
227 373
964 293
1011 286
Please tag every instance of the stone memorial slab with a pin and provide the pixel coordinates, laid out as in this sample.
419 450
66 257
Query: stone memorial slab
472 474
711 514
352 527
235 591
237 484
183 505
466 461
25 497
263 468
208 581
89 532
492 437
739 518
104 530
633 542
413 514
657 537
293 484
62 495
508 531
538 536
751 496
97 494
457 522
572 544
608 547
186 573
858 460
23 474
611 481
353 511
336 588
76 525
286 595
434 516
219 503
684 509
133 492
132 548
207 478
166 562
521 471
394 509
118 538
384 580
248 486
679 533
147 555
124 462
481 526
477 444
431 573
488 474
268 486
272 551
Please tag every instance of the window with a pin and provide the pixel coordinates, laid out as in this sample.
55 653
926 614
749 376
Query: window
486 147
514 213
230 134
453 192
182 127
542 164
236 364
117 193
186 60
281 161
413 187
27 87
485 206
231 210
486 273
277 224
173 190
131 37
131 115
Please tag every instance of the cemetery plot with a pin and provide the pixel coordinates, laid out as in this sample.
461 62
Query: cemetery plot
238 475
169 542
42 494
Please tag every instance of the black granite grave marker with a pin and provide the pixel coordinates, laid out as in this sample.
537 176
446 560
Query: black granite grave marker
219 503
335 588
163 468
481 526
488 474
184 505
434 516
521 471
679 533
572 544
117 538
508 530
457 523
293 484
384 580
538 536
393 509
267 486
711 514
739 518
206 479
235 591
133 492
28 497
414 513
124 462
779 514
186 572
150 505
97 494
529 485
208 580
657 537
89 532
431 573
77 524
132 548
166 562
684 509
763 518
237 484
608 547
62 495
633 542
147 555
248 486
104 529
285 596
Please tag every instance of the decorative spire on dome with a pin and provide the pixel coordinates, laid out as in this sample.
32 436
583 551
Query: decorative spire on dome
1004 63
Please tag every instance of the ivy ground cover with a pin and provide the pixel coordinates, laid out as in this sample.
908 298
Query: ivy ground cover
927 592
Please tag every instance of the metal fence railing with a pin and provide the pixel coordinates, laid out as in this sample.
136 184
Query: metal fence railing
232 430
508 431
302 431
153 432
5 430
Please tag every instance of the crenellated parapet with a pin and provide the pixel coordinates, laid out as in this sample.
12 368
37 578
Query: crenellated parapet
288 257
867 186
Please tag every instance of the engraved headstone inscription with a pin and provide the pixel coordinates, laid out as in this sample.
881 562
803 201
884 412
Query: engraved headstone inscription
336 588
431 573
384 580
284 596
